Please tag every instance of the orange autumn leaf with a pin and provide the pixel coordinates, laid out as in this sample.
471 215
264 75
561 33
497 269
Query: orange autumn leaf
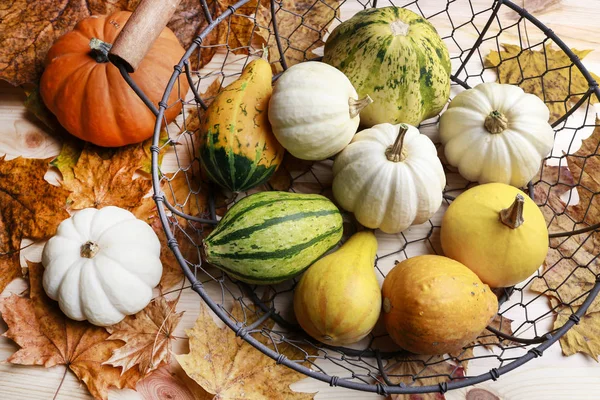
29 208
46 337
147 336
99 177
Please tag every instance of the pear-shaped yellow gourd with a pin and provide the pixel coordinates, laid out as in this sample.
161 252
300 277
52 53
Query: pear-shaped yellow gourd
338 299
497 231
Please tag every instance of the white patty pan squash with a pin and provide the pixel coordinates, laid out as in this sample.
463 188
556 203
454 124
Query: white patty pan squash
102 265
496 133
314 110
390 177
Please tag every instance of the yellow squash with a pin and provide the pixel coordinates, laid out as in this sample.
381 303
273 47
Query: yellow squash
338 299
238 148
497 231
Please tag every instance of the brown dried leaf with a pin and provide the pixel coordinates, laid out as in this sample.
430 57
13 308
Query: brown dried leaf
290 168
429 370
29 208
189 21
581 338
29 28
99 177
489 339
301 25
162 384
230 368
547 73
571 265
48 338
147 336
585 167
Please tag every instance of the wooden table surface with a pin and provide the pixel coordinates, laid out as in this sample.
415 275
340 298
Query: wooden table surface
550 377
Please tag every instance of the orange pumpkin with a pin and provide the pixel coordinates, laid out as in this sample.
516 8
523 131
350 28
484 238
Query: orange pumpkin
89 96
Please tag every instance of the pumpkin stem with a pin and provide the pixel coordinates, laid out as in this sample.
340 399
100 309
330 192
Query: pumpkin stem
513 215
397 152
265 53
399 28
100 50
89 249
356 106
496 122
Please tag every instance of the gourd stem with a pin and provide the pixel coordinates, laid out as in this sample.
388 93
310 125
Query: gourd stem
89 249
495 122
396 152
513 215
265 53
356 106
100 50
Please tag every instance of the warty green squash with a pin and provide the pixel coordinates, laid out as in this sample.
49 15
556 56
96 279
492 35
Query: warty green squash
398 58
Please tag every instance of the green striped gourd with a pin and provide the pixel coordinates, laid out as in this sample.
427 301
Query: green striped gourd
269 237
398 58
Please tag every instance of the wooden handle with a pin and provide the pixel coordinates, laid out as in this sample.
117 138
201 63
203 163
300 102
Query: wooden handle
141 30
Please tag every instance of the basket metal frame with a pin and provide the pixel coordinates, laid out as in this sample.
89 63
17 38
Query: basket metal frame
385 387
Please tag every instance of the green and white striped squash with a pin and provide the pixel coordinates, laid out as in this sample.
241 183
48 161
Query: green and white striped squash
269 237
398 58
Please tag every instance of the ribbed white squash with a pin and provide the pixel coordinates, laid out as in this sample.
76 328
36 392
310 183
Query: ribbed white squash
314 111
102 265
496 133
388 182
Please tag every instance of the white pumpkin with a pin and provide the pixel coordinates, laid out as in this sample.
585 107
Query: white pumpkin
314 111
102 265
390 177
496 133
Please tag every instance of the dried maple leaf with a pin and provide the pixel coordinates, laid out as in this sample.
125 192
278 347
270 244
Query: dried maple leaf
162 384
98 177
571 265
301 26
48 338
29 28
230 368
236 32
291 168
584 164
489 339
427 370
29 208
147 336
548 73
581 338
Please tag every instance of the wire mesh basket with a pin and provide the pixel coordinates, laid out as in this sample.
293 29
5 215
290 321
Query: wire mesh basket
470 32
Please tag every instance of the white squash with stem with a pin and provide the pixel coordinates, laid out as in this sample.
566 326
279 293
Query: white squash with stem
390 177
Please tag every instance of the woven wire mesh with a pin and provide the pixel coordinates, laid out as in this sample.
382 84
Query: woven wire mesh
374 363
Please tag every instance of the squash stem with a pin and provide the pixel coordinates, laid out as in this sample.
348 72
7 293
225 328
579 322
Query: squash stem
100 50
397 152
513 215
89 249
356 106
495 122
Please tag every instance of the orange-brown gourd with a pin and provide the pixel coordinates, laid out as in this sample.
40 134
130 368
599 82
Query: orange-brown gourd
89 96
435 305
338 300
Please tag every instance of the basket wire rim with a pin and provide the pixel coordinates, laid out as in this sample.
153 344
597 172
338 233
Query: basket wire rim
241 331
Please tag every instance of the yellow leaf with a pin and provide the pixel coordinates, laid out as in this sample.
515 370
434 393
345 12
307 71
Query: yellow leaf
232 369
548 73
